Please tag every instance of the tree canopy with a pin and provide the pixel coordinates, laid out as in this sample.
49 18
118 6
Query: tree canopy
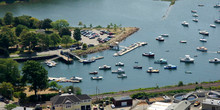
7 38
77 34
8 18
36 75
66 39
46 23
55 39
59 24
28 39
64 31
19 29
9 71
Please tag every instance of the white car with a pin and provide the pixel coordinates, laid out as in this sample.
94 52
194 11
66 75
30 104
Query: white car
113 106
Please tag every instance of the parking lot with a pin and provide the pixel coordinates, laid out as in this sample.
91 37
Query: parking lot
94 36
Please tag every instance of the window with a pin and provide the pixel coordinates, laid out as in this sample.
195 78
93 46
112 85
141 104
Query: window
68 105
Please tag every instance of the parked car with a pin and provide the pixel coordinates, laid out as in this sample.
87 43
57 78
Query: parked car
78 48
91 45
112 106
197 103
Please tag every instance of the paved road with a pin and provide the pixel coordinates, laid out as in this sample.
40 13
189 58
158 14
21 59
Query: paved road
158 90
2 105
50 52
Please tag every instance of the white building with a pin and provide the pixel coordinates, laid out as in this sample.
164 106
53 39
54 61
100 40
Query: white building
211 104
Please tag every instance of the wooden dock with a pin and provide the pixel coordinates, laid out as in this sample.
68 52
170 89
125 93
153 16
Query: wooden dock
62 80
66 59
130 48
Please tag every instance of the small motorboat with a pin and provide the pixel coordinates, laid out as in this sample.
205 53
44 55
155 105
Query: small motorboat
203 49
170 66
184 23
97 78
195 20
183 41
119 64
215 60
212 25
204 32
51 63
137 67
188 72
164 35
122 76
104 67
150 54
118 71
76 78
217 21
218 52
195 15
201 5
160 38
217 6
203 40
187 59
193 11
161 61
88 61
151 70
94 72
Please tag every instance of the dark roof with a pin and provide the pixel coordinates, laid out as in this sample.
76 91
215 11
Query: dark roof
122 98
83 97
60 99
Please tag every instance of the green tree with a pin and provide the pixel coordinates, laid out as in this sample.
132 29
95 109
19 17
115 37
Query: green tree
33 22
84 26
80 23
43 40
8 18
6 89
75 90
115 27
9 71
77 34
23 20
54 85
1 22
84 46
19 29
28 39
10 106
90 25
55 39
7 38
180 83
64 31
66 39
46 23
59 24
36 75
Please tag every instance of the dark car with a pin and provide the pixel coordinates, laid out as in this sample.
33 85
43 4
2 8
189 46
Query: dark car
78 48
91 45
2 98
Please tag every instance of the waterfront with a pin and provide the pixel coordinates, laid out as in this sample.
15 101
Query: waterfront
147 15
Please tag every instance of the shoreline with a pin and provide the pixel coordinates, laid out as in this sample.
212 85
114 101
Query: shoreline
101 47
189 86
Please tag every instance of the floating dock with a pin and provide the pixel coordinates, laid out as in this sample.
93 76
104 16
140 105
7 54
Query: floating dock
130 48
62 80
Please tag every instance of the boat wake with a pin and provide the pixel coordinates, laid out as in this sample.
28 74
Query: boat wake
167 12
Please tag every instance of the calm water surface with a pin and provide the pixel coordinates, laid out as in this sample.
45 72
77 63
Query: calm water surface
146 14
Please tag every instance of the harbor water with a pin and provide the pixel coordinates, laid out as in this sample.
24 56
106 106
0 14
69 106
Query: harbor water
153 18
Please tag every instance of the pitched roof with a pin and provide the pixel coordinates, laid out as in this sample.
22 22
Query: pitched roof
60 99
83 97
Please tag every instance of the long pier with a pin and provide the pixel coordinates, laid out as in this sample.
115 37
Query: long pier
62 80
130 48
